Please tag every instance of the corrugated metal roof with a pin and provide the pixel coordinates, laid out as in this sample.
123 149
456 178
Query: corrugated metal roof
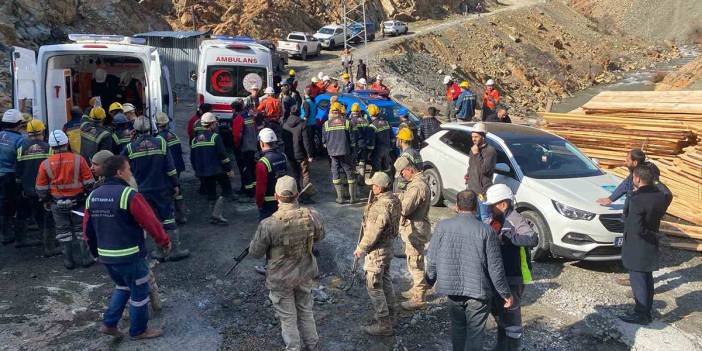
172 34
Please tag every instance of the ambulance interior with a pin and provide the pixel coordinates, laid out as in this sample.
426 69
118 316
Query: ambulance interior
73 79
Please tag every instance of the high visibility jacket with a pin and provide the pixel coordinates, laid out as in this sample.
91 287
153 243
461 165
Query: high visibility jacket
208 156
121 137
271 107
30 155
379 87
382 131
9 142
114 222
336 136
491 99
93 138
361 132
452 92
517 240
271 166
63 175
174 148
151 163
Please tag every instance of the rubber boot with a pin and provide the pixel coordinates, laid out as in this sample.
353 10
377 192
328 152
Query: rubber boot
21 235
217 208
339 193
67 250
382 327
353 193
154 294
181 211
501 340
49 239
84 258
512 344
177 253
6 226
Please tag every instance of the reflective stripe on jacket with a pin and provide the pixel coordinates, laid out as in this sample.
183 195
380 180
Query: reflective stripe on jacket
63 175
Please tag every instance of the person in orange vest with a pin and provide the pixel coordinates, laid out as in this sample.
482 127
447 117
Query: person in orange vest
270 105
490 99
62 182
379 86
453 91
333 86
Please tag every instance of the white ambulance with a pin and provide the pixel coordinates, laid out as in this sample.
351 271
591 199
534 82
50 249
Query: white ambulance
116 68
228 67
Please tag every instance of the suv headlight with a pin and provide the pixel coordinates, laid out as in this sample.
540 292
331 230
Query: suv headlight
572 212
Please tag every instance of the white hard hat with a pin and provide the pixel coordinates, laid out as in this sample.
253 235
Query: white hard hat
208 117
161 118
12 116
127 107
269 90
325 79
490 82
100 75
142 124
497 193
267 135
320 75
447 79
315 79
57 138
379 77
362 81
479 127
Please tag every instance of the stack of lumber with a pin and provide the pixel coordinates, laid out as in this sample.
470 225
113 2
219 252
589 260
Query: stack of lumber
665 125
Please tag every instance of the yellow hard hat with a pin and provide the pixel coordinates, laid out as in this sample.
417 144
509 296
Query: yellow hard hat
291 73
115 106
35 126
336 107
345 76
97 113
464 84
373 110
405 134
355 107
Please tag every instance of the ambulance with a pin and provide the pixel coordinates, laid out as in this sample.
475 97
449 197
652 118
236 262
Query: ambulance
114 67
228 68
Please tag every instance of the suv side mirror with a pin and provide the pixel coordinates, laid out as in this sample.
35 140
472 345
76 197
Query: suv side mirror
502 168
193 76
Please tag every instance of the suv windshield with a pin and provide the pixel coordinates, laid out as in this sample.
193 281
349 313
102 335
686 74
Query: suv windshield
326 31
231 81
552 159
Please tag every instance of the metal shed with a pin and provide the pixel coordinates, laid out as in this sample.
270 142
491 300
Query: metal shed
178 50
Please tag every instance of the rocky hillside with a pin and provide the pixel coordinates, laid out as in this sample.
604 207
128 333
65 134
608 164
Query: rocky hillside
536 54
689 77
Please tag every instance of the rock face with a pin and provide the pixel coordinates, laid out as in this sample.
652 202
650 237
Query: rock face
689 77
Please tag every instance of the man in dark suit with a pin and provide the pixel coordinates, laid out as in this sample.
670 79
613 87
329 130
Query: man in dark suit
643 213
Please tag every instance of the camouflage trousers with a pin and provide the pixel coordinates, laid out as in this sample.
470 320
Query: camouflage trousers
379 285
414 250
293 307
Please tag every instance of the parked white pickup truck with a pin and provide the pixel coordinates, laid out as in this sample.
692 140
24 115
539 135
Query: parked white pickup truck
300 44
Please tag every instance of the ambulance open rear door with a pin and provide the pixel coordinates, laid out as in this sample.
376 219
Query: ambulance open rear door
25 93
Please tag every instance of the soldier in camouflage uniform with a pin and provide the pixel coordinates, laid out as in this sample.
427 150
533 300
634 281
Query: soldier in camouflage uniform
380 227
286 239
415 229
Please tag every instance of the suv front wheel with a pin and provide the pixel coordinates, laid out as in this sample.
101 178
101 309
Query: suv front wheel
435 186
541 251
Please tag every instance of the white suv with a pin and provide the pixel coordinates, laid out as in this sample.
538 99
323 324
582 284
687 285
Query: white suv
555 186
331 36
395 27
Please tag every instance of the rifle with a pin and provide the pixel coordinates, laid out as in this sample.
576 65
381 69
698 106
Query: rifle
357 260
245 253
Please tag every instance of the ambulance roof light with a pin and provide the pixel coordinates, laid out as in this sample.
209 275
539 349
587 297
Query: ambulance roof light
234 38
95 38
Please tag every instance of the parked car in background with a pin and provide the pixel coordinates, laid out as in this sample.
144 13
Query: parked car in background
331 36
356 30
555 185
395 27
300 44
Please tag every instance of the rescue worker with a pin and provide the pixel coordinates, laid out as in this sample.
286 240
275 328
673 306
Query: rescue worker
336 136
115 219
415 229
452 93
361 133
211 163
290 81
112 111
465 104
62 182
31 153
346 85
72 128
286 239
381 142
122 134
332 85
516 238
270 167
175 149
245 144
380 227
361 84
130 111
406 122
10 140
270 105
93 134
193 126
405 138
379 86
157 179
491 98
314 88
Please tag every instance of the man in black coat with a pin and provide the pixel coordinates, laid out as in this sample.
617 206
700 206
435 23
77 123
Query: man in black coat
298 149
643 213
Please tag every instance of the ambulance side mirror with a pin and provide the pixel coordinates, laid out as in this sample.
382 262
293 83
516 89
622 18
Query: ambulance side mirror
193 76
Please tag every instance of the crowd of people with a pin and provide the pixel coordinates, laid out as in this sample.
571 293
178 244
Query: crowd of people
108 176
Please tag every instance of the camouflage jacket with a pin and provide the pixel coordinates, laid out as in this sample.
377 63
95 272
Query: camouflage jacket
415 207
380 227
